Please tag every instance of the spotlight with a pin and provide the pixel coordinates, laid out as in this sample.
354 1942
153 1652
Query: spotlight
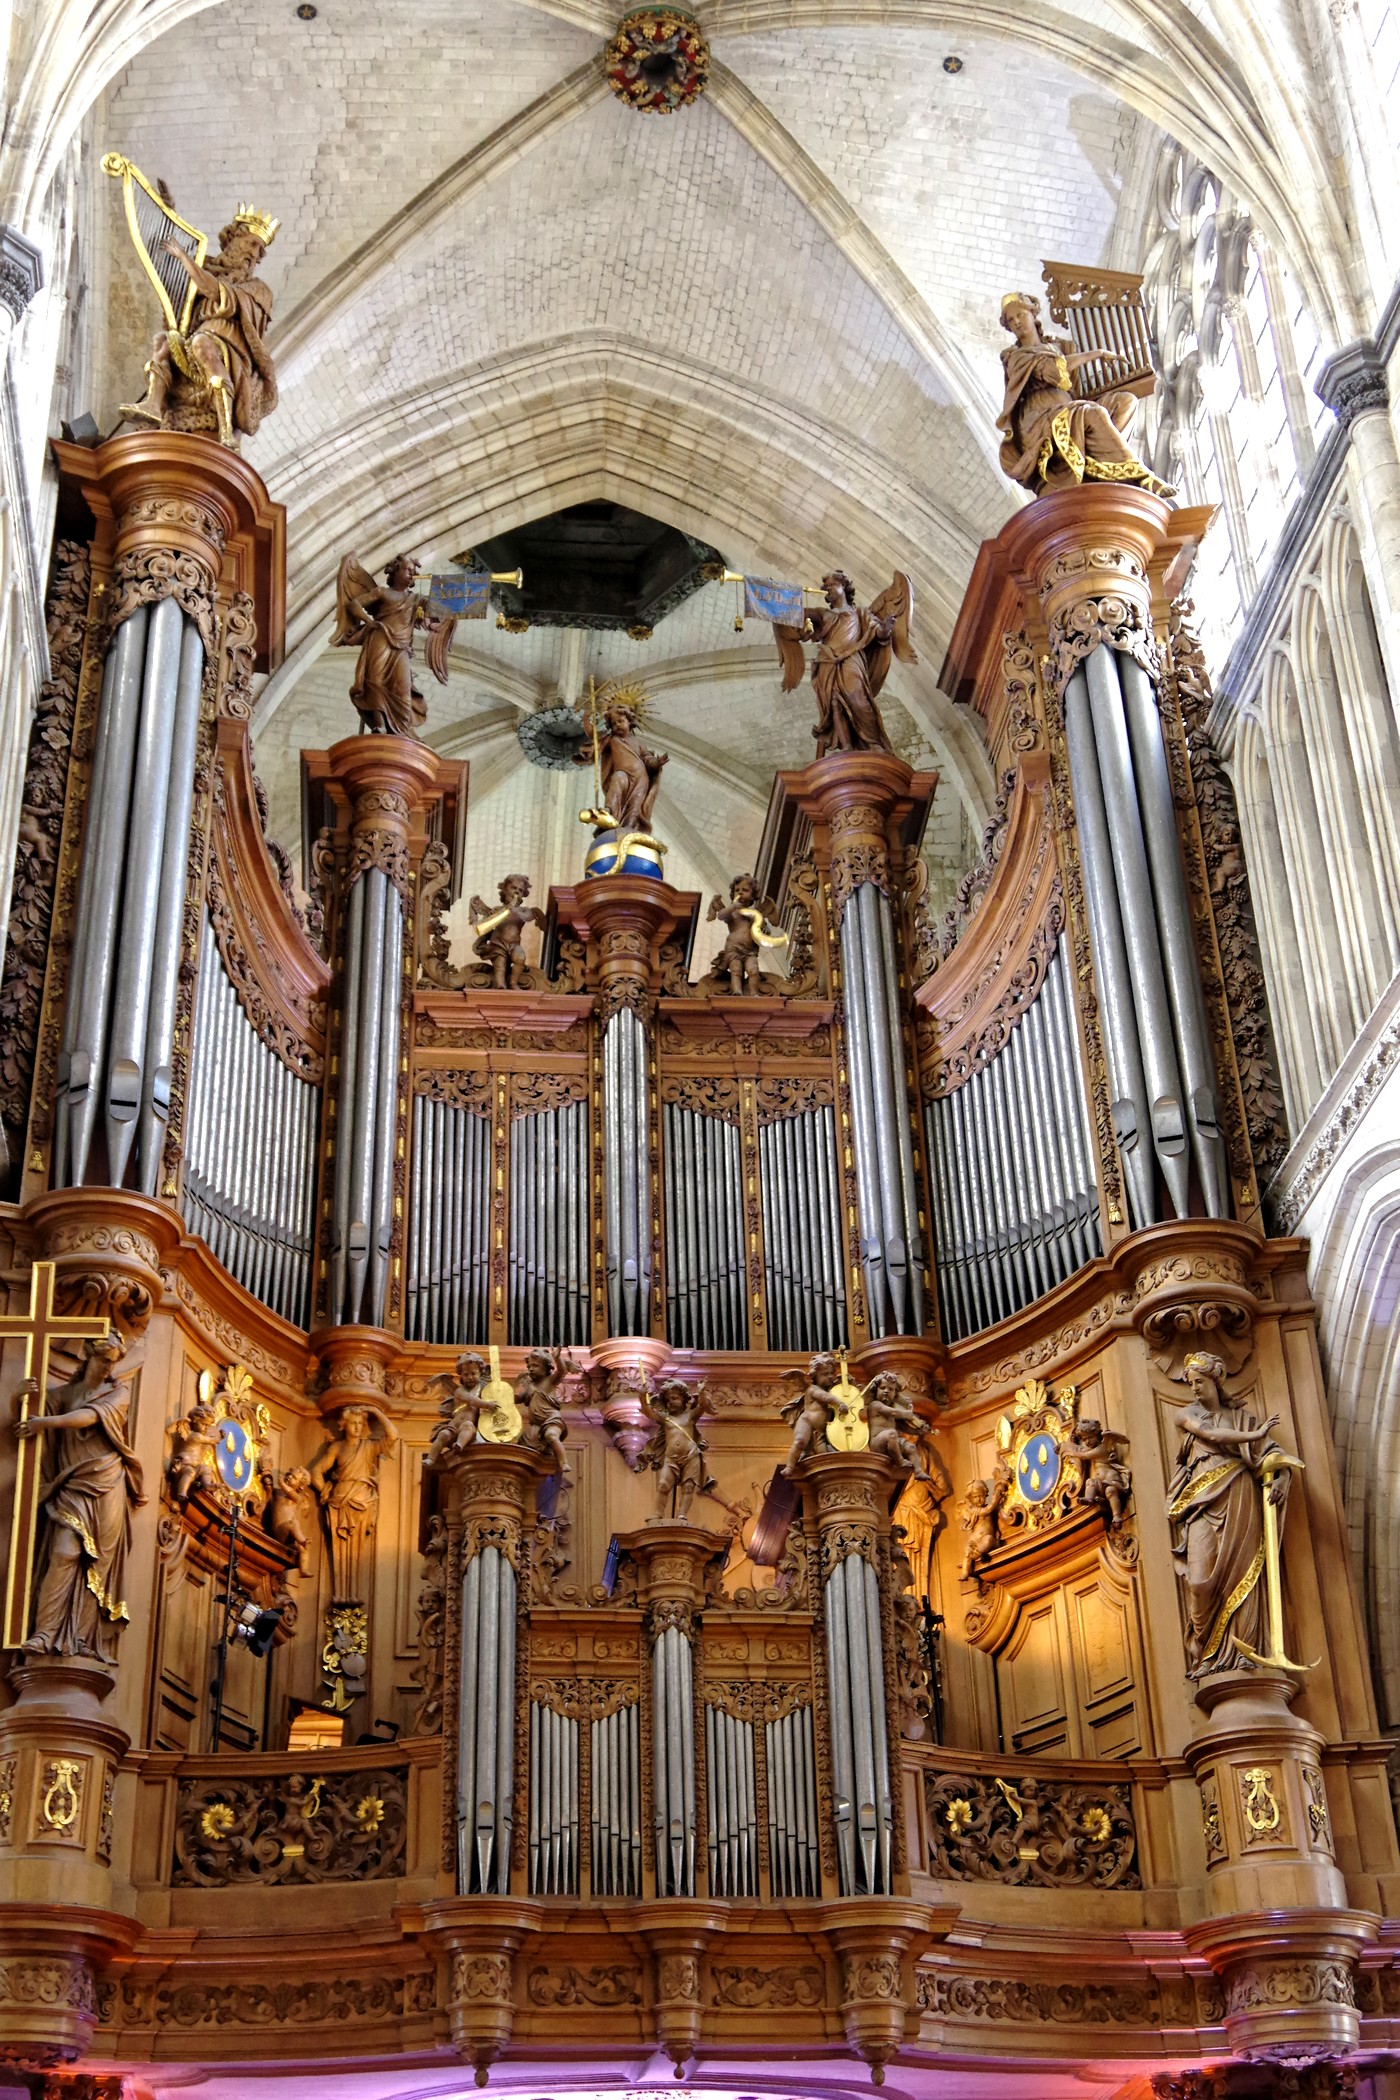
256 1630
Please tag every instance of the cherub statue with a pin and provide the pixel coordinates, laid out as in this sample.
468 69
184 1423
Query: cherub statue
810 1409
854 647
217 374
536 1395
459 1405
1050 438
889 1410
678 1446
500 933
290 1511
1107 1479
191 1462
93 1483
749 920
629 774
380 622
981 1520
343 1473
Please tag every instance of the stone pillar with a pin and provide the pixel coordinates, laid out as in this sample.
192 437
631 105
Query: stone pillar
861 805
1353 385
385 787
25 665
624 921
847 1497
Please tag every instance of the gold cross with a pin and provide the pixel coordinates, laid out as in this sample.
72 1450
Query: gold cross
41 1327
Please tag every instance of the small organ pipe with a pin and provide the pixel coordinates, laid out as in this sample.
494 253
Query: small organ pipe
170 915
345 1110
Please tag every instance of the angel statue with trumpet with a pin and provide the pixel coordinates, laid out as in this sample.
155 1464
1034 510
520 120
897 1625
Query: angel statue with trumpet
381 620
854 647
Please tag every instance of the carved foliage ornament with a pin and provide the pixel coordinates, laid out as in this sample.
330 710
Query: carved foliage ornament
1031 1833
344 1826
146 575
858 855
1117 623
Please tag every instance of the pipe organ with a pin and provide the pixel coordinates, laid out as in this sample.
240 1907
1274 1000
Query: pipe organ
683 1444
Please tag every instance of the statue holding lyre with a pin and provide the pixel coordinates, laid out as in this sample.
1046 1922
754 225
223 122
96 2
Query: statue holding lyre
209 369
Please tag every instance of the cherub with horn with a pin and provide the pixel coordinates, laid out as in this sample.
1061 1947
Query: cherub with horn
381 621
749 919
854 646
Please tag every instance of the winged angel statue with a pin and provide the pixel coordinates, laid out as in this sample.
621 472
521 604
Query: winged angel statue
381 620
854 647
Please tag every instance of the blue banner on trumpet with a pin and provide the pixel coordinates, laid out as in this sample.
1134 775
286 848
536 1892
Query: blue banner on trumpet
780 602
465 593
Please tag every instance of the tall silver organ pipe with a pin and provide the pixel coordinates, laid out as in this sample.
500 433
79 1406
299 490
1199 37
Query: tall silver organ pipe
731 1803
860 1759
615 1802
250 1148
706 1292
790 1757
362 1197
1160 1064
804 1265
114 1059
548 1270
892 1251
449 1223
486 1726
1015 1199
673 1761
626 1174
554 1855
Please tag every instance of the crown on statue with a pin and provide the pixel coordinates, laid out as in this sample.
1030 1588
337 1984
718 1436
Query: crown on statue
1018 299
259 223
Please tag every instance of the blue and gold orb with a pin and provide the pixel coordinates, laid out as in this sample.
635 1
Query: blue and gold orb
624 853
1038 1468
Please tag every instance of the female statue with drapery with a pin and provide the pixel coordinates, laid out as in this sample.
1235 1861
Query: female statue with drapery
1050 438
94 1482
1215 1504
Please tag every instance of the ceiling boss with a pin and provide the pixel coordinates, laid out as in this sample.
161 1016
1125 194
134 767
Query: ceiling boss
658 60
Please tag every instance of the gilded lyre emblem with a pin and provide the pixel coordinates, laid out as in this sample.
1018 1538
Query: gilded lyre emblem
63 1794
1262 1813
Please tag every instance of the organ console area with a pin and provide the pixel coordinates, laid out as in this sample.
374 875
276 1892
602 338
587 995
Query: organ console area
621 1517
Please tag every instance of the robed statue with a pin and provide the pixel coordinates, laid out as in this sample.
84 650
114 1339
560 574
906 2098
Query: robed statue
1051 439
381 621
854 646
210 368
93 1483
344 1477
1215 1502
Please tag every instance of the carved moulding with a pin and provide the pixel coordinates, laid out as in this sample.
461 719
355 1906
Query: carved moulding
481 1940
969 1007
40 833
877 1942
1289 1978
949 1994
48 1981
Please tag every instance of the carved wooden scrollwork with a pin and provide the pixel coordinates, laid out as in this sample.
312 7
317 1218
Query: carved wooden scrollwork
341 1826
1030 1832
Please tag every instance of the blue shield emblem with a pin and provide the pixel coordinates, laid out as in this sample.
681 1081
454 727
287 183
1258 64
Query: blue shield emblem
234 1456
1038 1467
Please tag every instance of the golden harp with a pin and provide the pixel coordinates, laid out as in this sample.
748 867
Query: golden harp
151 223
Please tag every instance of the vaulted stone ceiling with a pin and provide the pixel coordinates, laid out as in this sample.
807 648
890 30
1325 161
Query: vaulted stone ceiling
770 320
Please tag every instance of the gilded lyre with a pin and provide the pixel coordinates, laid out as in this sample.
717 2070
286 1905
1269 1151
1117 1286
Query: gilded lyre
151 222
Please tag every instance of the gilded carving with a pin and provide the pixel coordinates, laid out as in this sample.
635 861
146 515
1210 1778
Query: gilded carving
1031 1833
339 1826
1319 1820
1264 1821
62 1783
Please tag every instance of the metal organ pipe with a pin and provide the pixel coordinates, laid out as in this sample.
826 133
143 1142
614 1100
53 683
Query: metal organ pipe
250 1148
1014 1190
486 1725
673 1762
170 916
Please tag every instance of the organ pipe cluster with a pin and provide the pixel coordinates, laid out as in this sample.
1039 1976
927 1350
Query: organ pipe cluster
554 1853
804 1268
705 1267
1015 1200
615 1809
363 1189
731 1822
791 1759
114 1061
860 1760
891 1237
673 1761
250 1149
486 1725
449 1264
626 1174
1156 1040
549 1234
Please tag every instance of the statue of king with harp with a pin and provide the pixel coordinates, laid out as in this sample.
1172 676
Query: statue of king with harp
209 369
854 647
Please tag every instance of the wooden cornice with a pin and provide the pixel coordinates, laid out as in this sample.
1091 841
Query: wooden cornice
280 979
975 998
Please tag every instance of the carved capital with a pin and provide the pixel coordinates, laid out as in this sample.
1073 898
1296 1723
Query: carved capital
1290 1980
1352 382
624 923
876 1943
21 272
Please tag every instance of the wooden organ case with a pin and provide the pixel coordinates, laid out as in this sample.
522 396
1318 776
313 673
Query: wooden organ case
803 1750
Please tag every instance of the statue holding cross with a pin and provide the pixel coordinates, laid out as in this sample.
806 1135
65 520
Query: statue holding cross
94 1483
